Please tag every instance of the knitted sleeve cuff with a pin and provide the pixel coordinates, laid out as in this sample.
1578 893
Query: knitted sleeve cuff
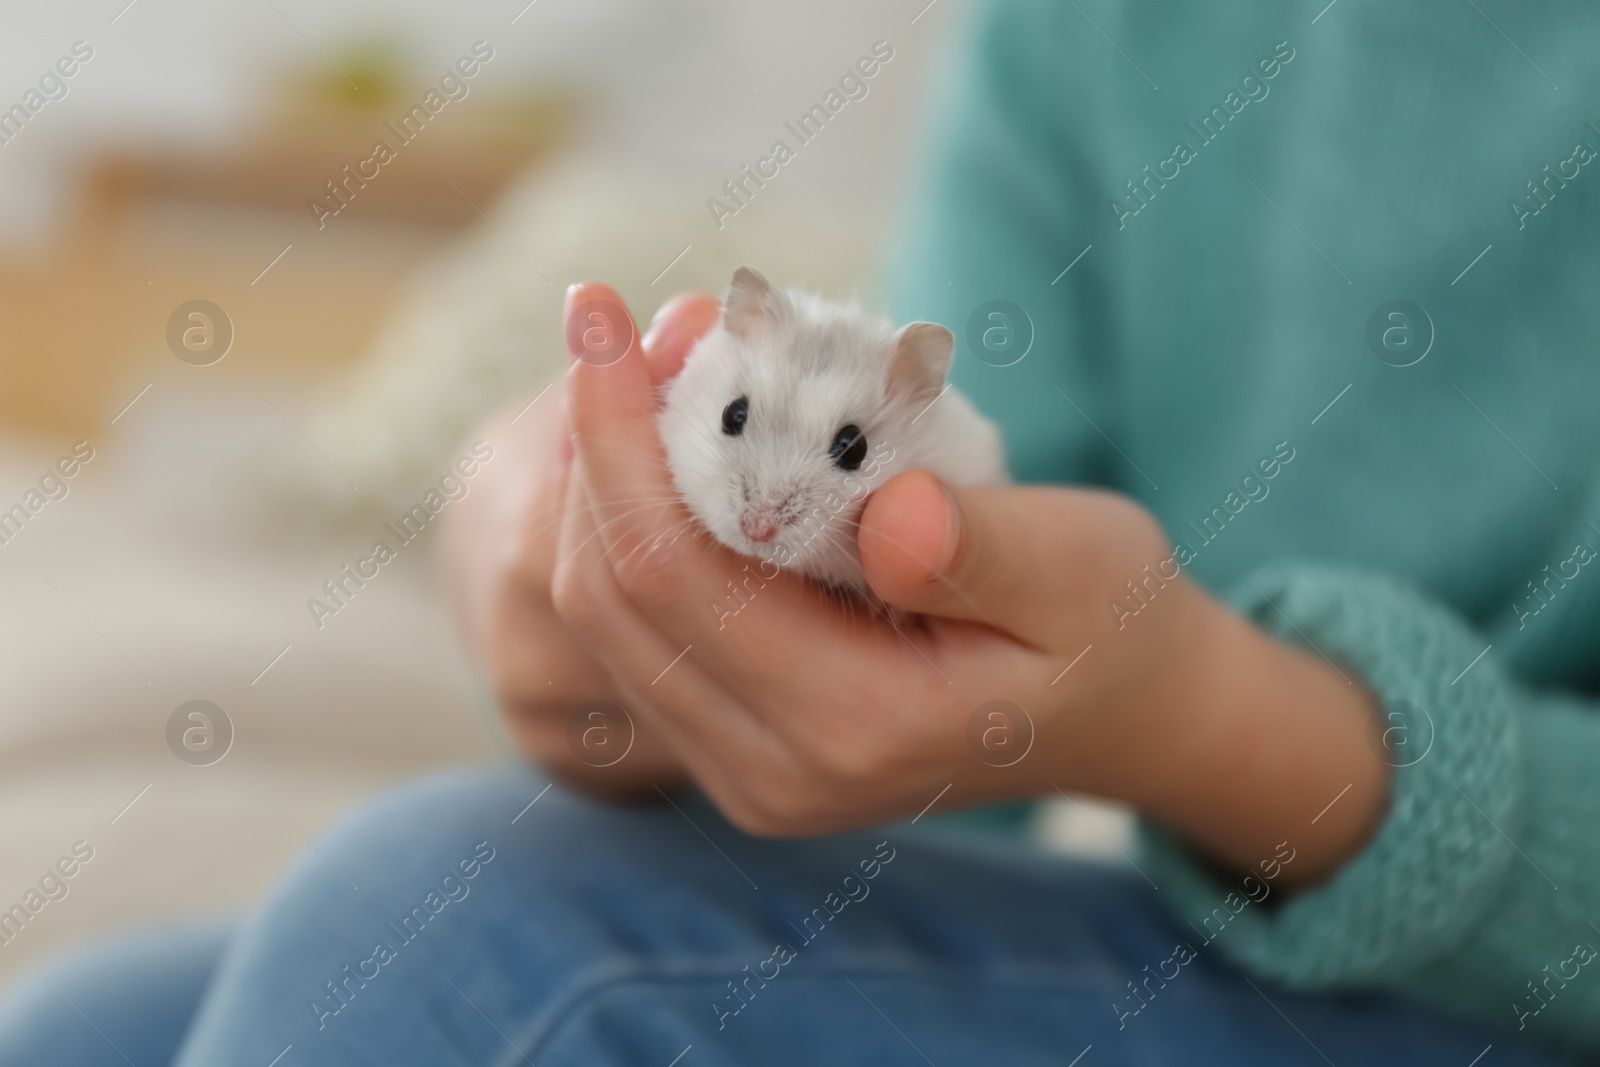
1442 852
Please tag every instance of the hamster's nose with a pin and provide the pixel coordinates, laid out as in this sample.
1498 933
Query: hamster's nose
760 525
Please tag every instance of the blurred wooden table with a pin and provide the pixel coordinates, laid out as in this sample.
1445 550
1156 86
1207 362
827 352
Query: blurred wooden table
142 233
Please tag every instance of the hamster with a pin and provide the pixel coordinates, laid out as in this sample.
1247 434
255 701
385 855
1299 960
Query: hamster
793 409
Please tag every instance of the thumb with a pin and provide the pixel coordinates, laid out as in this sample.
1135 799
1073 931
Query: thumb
1020 558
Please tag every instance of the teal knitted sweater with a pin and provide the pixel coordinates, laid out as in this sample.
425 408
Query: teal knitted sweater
1170 240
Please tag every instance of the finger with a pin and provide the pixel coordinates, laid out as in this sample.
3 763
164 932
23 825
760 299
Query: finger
669 571
613 419
1012 557
677 326
564 435
599 611
584 742
754 717
585 591
494 542
682 581
724 783
701 720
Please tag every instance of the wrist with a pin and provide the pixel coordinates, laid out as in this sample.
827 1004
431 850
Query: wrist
1240 742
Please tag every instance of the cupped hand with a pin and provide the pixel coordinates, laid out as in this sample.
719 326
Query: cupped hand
798 714
499 553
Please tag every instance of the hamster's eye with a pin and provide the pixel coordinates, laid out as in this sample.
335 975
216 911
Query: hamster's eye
733 417
849 447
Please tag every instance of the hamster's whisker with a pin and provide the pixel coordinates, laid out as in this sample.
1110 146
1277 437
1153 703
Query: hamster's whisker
850 602
657 543
844 519
654 497
624 446
653 457
602 527
836 542
662 498
629 512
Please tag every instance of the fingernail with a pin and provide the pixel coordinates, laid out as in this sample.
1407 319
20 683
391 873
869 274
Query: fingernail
566 318
570 326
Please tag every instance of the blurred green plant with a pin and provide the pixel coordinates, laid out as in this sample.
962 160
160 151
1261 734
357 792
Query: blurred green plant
371 72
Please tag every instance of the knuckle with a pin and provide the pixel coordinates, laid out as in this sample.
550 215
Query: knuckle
648 567
767 824
787 809
538 731
524 560
574 595
753 820
860 744
506 600
855 757
528 534
742 806
532 720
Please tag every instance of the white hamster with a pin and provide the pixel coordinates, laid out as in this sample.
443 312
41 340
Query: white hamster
794 408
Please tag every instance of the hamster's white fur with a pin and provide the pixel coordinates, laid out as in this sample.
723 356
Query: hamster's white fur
809 367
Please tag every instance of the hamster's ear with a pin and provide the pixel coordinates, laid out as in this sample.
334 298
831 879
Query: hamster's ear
751 303
921 359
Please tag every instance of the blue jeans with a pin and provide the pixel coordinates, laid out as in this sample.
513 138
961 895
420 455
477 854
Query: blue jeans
450 922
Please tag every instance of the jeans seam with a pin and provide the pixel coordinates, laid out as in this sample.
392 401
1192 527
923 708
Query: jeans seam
550 1018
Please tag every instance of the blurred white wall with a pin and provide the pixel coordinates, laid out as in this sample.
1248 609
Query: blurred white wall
705 84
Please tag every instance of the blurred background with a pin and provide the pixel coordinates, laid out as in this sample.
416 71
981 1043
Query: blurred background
261 384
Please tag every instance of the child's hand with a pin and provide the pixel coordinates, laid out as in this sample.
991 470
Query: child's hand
798 718
498 555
